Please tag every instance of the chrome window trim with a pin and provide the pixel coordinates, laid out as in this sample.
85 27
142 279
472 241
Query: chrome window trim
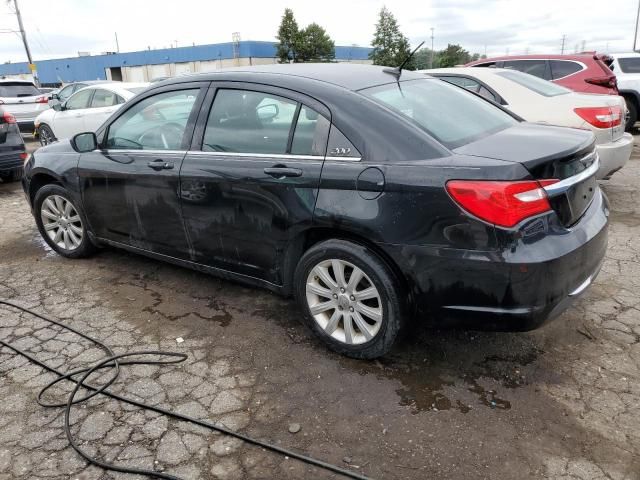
563 185
287 156
134 151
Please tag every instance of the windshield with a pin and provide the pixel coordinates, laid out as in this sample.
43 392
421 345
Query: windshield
538 85
451 115
18 90
630 65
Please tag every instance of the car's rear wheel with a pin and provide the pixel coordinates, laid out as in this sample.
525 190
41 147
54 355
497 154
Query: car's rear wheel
350 298
632 114
61 222
45 134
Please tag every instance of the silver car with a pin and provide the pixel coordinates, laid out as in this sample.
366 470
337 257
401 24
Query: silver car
23 100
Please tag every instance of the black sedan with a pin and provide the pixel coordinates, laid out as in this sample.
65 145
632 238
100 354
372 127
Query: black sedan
374 196
12 151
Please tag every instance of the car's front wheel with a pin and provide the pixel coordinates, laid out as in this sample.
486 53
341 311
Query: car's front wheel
45 134
61 222
350 298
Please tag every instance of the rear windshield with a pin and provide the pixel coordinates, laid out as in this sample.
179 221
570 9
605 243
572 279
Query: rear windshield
451 115
18 90
535 84
630 65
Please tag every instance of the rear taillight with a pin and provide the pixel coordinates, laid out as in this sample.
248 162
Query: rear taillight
42 99
609 81
601 117
498 202
8 118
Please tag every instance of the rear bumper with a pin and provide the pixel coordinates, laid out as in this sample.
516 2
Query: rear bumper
614 155
530 281
10 161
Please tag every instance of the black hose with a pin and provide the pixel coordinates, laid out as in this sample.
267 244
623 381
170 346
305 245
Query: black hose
113 361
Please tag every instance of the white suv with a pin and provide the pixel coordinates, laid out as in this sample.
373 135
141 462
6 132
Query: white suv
626 66
24 101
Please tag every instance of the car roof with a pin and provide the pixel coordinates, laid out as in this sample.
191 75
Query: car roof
346 75
577 56
116 87
472 71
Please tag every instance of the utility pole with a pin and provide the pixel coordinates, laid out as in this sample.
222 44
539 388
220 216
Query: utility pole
24 39
635 35
117 44
431 59
564 38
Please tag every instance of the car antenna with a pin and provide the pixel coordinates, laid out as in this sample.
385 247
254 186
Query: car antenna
397 71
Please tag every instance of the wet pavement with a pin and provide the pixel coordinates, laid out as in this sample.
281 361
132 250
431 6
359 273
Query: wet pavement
562 402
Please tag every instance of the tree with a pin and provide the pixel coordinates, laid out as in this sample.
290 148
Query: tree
453 55
390 46
422 59
314 45
288 38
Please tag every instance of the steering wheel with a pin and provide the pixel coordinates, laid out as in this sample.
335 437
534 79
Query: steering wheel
167 137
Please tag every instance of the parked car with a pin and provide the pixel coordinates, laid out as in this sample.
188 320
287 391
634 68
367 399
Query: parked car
47 90
540 101
62 94
23 100
374 197
584 72
626 66
12 151
85 110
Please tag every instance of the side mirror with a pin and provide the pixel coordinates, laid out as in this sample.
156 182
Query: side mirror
54 96
84 142
57 107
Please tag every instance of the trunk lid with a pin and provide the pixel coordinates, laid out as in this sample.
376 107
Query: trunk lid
548 153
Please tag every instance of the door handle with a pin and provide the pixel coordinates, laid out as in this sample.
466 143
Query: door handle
283 172
159 164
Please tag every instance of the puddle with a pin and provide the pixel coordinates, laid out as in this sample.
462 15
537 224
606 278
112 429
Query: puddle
439 382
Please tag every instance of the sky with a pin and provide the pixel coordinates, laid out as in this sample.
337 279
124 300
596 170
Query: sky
495 27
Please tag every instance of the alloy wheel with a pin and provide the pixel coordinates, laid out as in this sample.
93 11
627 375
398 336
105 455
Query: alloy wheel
46 136
61 222
344 301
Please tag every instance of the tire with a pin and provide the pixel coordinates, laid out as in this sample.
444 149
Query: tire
13 175
378 336
45 135
632 116
74 241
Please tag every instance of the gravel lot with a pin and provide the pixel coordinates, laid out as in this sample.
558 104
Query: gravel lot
562 402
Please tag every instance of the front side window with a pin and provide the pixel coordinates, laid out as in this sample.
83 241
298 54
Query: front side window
563 68
532 67
104 98
79 100
629 64
249 122
156 123
449 114
535 84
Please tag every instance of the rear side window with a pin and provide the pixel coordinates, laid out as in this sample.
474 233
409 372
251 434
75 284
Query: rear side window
563 68
472 85
17 89
536 68
310 135
79 100
535 84
104 98
630 65
244 121
449 114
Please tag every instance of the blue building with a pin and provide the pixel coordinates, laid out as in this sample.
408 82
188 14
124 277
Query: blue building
146 65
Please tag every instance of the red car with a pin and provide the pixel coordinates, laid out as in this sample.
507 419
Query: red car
584 72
